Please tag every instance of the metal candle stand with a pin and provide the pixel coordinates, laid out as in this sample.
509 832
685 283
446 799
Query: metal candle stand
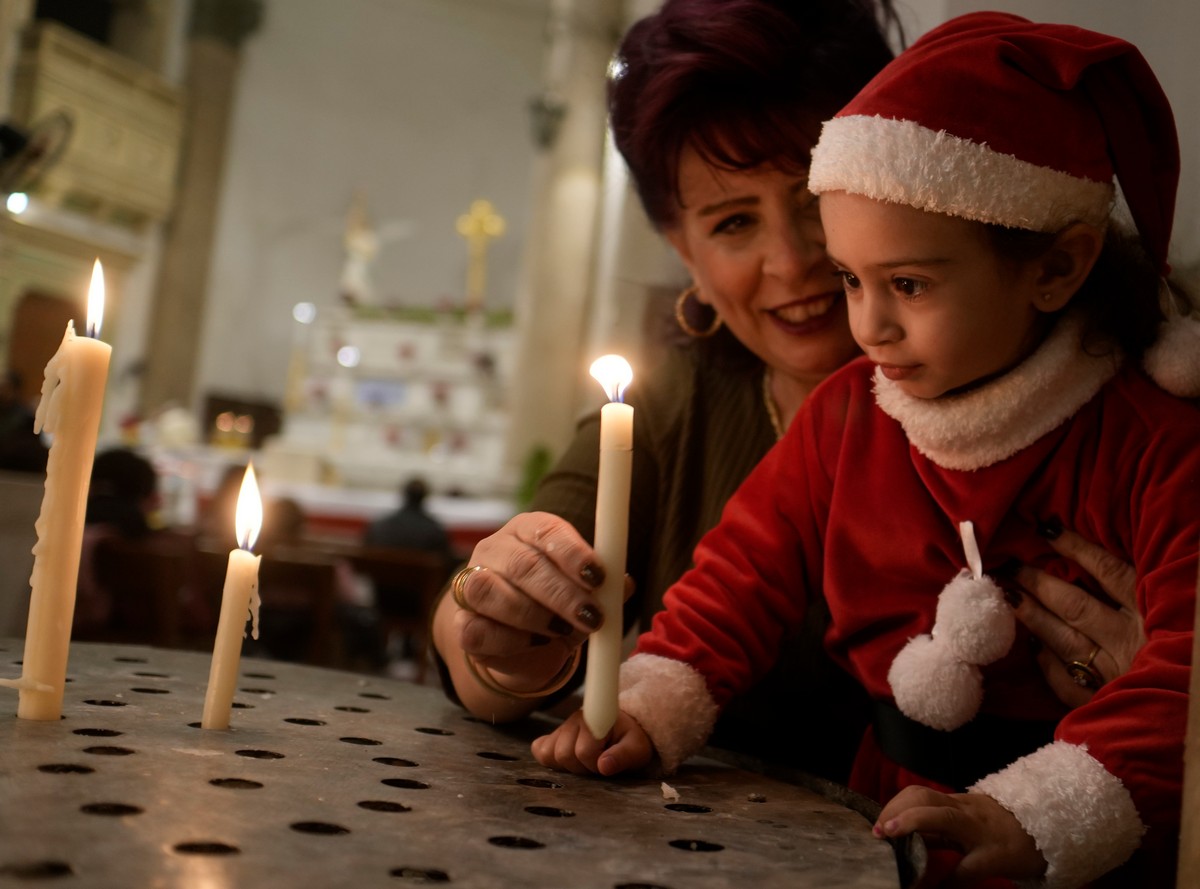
334 779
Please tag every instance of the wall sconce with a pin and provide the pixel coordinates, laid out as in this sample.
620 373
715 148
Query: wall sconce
546 113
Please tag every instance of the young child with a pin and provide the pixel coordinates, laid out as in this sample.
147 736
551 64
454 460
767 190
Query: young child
1016 349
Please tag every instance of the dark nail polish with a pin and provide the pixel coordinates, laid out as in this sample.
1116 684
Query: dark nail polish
1051 528
593 575
537 640
559 627
589 616
1012 597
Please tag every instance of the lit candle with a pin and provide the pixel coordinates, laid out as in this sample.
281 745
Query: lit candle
69 411
612 536
239 600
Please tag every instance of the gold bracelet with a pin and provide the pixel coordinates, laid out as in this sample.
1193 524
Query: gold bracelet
484 677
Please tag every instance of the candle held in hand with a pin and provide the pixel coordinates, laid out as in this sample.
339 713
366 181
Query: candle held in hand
612 538
69 411
239 600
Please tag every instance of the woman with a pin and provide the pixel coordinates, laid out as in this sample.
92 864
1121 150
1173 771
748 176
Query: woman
715 108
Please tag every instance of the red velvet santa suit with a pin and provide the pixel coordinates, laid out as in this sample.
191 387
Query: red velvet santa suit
861 504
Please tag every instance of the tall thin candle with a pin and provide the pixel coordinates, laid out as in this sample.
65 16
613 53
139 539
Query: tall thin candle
612 538
69 411
239 601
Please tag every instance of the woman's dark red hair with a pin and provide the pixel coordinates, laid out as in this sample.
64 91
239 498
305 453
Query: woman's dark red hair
744 82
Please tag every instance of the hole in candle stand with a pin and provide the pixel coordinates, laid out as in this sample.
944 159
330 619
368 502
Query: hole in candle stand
373 695
499 757
131 660
382 805
65 768
299 720
419 875
236 783
549 812
696 845
259 675
428 730
206 847
110 809
103 702
638 886
366 742
193 725
353 709
98 732
540 782
259 754
151 691
36 870
238 705
687 807
319 827
405 783
109 751
151 675
257 691
516 843
396 761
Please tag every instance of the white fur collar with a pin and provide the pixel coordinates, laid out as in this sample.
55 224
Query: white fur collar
1000 418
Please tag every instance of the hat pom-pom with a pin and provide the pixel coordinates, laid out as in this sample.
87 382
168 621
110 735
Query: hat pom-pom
933 686
974 619
1173 362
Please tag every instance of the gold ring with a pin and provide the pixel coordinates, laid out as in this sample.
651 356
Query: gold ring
1084 674
458 586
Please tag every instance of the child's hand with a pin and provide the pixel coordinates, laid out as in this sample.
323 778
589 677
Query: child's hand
992 840
572 748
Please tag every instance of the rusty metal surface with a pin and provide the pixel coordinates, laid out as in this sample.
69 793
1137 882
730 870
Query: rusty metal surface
331 779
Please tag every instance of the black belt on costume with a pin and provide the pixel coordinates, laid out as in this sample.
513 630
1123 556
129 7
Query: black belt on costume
959 758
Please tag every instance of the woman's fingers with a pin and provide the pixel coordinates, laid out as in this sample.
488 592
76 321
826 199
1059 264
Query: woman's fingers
539 578
1115 577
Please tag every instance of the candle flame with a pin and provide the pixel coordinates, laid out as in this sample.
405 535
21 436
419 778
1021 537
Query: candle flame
614 374
249 511
95 308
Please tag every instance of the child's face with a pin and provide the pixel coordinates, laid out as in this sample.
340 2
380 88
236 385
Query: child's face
929 299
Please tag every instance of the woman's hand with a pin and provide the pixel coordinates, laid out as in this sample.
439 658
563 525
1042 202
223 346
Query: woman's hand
990 837
572 748
1077 628
531 586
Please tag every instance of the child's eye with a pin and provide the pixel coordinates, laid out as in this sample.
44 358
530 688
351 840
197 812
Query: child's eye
849 281
908 288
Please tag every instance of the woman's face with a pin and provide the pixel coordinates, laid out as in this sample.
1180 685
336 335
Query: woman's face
753 243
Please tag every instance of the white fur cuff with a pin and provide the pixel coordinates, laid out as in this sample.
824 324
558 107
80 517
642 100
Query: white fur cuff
671 703
1081 817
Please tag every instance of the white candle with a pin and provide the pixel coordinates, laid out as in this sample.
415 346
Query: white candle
239 600
612 537
72 398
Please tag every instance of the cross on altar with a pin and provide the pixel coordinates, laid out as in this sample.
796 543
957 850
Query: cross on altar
478 225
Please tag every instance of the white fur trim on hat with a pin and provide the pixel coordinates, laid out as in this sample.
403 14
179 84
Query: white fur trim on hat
905 163
671 703
996 420
1081 817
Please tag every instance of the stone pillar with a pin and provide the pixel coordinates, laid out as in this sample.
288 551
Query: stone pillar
553 294
218 30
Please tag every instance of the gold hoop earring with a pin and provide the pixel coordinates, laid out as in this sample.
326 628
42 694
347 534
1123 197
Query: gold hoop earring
681 304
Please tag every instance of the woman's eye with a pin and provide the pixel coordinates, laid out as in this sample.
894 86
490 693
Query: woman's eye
732 224
908 288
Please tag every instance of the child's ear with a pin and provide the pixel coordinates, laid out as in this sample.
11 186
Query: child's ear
1066 265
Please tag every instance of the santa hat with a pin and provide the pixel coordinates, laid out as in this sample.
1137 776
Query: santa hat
994 118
